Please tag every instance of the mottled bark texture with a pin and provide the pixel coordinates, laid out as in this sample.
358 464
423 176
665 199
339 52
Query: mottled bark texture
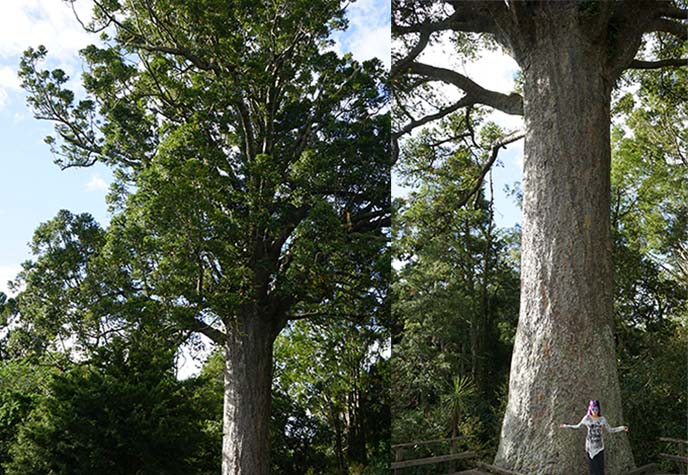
247 396
564 351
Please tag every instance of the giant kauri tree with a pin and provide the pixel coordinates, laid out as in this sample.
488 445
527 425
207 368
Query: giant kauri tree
571 55
252 178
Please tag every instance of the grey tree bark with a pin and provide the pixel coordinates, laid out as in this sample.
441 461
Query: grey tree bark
247 396
564 352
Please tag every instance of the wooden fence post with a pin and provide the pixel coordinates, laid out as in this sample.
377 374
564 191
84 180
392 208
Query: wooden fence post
398 457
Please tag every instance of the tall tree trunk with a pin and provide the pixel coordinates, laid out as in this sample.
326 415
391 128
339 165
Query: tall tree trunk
474 309
356 437
564 351
247 397
339 445
486 381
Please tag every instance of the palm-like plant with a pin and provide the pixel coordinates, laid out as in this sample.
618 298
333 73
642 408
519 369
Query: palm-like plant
456 402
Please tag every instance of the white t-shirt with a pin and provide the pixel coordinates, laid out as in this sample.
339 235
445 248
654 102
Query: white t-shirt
594 443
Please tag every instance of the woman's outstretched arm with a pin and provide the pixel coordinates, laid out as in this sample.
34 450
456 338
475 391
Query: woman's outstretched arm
572 426
613 429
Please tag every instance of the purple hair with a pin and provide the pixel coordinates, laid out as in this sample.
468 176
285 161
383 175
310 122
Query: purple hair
594 403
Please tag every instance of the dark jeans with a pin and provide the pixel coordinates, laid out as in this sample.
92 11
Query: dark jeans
596 464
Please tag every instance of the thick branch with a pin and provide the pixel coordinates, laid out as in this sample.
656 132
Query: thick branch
247 129
510 104
673 12
471 18
203 328
413 54
666 63
678 29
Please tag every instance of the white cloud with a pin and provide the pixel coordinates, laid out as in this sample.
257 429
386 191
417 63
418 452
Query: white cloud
9 82
371 35
372 43
9 78
51 23
7 273
96 184
493 70
368 34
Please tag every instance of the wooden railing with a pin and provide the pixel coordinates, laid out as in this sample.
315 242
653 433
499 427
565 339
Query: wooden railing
399 463
399 449
648 469
681 458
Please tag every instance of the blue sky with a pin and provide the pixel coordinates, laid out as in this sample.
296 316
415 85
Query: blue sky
32 188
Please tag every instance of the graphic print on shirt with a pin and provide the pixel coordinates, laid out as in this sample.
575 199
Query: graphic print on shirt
595 443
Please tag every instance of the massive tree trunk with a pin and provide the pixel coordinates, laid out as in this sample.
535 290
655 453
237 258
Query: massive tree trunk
564 351
247 395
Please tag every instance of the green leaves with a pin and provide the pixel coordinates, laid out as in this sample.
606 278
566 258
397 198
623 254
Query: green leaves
649 195
123 412
456 290
335 373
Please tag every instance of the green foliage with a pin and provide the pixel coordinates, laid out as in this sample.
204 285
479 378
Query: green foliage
124 412
22 385
456 402
335 371
456 293
650 192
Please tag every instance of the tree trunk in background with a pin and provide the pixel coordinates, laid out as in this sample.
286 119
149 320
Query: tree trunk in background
564 351
247 398
474 310
356 437
486 382
339 444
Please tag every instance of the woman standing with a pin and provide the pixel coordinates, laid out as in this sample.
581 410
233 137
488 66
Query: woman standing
594 444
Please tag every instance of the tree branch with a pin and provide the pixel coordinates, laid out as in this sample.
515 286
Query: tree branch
463 102
445 220
510 104
413 54
211 332
499 144
673 12
472 17
671 63
678 29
